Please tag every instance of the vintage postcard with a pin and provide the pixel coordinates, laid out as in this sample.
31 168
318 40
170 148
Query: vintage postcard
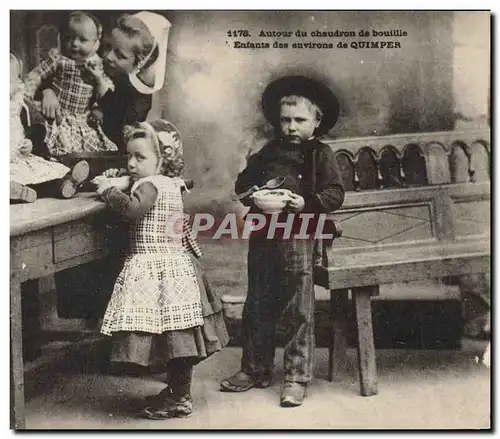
250 220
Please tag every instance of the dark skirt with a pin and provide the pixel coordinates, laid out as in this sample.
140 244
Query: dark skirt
196 343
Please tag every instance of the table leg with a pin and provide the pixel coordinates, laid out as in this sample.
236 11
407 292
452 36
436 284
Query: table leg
366 346
16 343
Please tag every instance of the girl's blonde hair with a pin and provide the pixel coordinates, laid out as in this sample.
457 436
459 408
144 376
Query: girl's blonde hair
166 141
144 42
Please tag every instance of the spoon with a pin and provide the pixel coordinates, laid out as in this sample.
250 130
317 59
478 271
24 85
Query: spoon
274 183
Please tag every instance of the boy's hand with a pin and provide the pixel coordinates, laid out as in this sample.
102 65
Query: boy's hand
50 105
26 147
248 201
297 203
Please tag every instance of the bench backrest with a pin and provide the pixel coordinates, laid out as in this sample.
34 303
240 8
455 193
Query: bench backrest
413 188
417 159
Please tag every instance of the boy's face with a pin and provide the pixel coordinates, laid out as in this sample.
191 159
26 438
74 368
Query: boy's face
298 121
80 39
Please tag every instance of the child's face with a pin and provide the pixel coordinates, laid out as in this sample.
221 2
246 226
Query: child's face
298 121
120 57
142 159
80 39
14 76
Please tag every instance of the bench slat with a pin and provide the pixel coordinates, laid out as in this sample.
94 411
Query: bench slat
379 256
384 268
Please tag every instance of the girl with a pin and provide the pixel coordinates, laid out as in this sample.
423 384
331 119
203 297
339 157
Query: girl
77 79
162 310
44 177
136 60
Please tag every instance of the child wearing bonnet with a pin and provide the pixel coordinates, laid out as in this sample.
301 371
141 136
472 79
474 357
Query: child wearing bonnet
162 311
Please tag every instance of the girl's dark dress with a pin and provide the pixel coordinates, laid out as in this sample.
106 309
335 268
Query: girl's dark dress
123 106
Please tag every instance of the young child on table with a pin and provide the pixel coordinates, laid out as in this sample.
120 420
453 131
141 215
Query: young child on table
32 176
162 310
280 270
72 80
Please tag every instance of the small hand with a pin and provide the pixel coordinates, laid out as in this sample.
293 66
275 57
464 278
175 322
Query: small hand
249 200
50 105
102 182
297 203
115 172
96 116
123 183
26 147
96 73
91 67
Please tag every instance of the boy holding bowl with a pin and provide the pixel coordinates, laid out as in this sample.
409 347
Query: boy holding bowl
280 268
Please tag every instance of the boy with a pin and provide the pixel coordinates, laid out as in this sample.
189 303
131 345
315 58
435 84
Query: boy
280 271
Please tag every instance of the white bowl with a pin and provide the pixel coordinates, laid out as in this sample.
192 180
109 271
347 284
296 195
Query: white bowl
272 201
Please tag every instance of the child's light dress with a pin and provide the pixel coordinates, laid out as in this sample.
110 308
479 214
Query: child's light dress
157 289
77 131
28 169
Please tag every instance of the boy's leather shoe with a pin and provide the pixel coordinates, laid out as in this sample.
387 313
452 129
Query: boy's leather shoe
293 394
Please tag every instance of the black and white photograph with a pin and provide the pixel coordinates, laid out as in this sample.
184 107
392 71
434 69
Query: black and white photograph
262 219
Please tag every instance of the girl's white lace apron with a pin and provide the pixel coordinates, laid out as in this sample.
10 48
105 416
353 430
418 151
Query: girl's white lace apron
157 289
28 169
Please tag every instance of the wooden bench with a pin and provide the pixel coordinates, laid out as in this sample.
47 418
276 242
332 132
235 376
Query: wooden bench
412 224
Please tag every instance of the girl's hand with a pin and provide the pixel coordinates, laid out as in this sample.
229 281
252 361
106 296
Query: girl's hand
102 183
114 172
26 147
50 105
122 183
297 203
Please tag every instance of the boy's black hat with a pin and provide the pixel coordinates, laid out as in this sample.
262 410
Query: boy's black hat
317 92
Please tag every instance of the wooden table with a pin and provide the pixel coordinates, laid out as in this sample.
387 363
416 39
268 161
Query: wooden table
47 236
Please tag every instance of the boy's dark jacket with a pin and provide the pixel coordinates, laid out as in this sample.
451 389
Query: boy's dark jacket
310 168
